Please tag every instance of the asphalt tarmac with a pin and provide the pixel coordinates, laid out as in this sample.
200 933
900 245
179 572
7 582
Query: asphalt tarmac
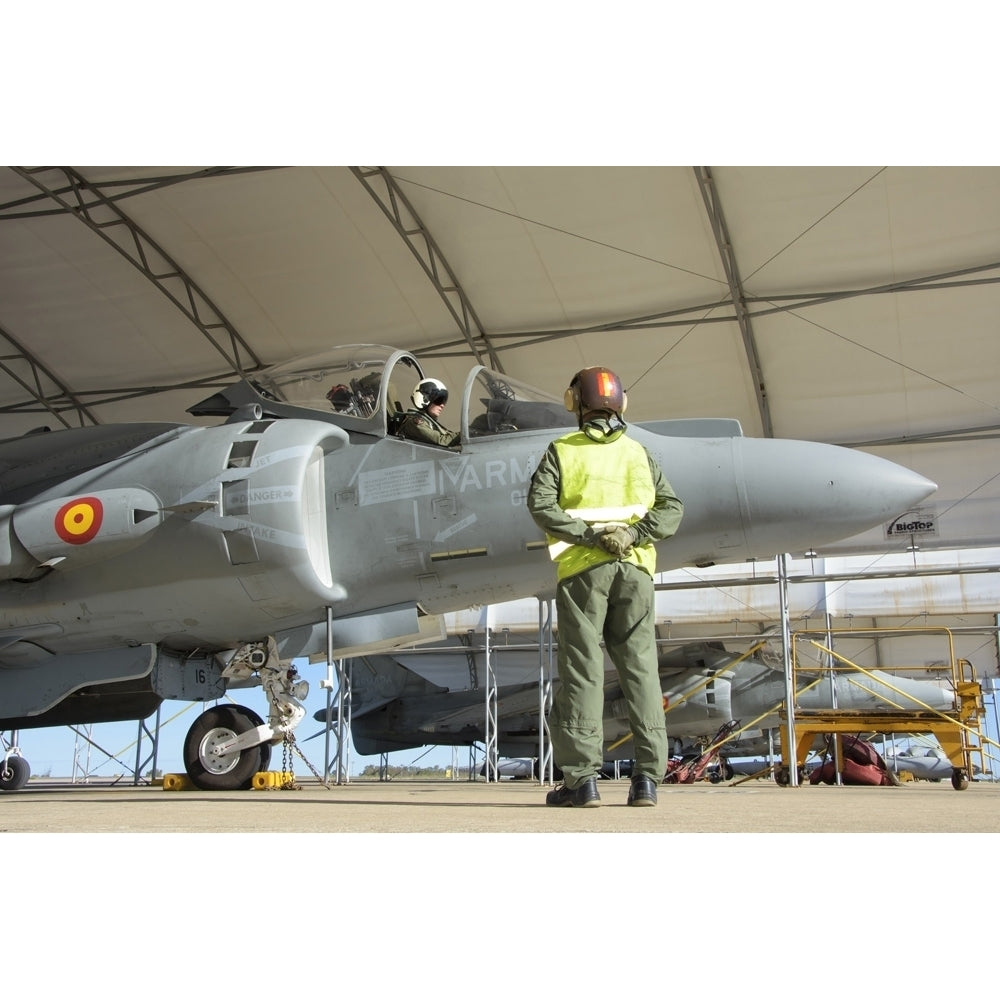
463 807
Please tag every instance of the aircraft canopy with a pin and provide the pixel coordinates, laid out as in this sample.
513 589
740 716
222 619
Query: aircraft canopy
363 387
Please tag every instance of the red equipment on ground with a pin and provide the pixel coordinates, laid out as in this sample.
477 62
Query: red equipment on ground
861 764
686 772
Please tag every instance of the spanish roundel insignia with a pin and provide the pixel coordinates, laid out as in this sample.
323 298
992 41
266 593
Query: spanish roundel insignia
79 520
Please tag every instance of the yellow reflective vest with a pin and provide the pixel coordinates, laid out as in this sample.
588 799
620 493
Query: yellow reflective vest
602 483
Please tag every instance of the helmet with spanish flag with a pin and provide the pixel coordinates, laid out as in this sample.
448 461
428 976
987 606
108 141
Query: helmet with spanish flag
595 390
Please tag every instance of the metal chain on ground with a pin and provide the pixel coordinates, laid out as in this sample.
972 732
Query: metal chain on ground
291 744
288 782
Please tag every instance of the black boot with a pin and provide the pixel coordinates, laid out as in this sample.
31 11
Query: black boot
642 791
584 795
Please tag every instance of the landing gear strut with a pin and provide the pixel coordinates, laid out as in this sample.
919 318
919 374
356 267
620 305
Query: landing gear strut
227 745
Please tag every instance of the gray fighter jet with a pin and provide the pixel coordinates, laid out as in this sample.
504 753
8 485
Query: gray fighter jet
422 696
923 762
153 561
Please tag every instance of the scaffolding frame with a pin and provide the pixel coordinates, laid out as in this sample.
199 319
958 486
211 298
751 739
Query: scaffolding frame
958 730
490 721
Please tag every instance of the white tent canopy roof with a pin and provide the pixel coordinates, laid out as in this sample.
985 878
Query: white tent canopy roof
854 305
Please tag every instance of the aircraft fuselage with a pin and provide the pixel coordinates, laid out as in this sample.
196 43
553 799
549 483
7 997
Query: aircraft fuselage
143 549
210 536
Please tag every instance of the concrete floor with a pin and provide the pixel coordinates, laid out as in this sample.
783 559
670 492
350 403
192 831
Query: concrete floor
508 807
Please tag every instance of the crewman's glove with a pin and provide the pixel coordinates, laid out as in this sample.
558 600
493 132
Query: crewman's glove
617 539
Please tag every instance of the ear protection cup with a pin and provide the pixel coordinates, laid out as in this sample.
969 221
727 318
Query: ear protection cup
571 398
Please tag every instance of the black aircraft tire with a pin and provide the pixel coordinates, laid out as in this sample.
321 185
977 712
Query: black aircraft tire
959 780
213 726
15 775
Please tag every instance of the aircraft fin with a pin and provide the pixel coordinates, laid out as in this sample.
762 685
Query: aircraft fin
191 507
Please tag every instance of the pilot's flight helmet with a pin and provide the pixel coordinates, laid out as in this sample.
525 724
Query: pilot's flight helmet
595 389
428 392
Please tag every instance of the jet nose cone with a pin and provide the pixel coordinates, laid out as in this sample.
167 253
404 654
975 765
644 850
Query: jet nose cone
891 491
924 486
833 493
900 486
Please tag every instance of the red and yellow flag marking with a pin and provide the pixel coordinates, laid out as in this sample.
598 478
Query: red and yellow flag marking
80 520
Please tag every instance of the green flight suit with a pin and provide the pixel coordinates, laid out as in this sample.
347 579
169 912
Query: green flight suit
604 597
420 426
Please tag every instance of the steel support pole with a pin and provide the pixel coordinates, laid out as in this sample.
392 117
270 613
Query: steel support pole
546 765
343 723
992 684
328 684
82 769
996 724
837 762
154 737
787 752
491 741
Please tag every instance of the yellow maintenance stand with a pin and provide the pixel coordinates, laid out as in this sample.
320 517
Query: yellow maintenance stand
959 730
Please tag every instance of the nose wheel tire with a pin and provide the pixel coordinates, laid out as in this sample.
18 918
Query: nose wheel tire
214 728
14 774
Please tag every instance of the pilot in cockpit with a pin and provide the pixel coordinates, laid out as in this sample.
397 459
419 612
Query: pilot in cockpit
422 422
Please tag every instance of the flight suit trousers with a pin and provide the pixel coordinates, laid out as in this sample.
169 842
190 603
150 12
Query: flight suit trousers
613 601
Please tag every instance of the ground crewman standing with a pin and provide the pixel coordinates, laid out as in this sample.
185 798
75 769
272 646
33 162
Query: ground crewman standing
602 501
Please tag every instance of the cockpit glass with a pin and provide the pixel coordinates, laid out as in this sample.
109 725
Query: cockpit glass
341 380
499 404
367 386
345 380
